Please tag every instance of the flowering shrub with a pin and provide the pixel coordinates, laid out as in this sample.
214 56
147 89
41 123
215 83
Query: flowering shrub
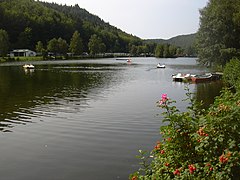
197 144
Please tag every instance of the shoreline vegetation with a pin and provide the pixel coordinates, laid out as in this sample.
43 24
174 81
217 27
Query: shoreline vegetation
50 28
52 58
203 143
199 143
82 57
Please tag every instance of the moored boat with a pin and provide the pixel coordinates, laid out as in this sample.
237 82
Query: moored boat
28 66
202 78
129 60
160 65
181 77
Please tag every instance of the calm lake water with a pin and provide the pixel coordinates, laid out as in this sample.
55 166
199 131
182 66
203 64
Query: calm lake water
86 119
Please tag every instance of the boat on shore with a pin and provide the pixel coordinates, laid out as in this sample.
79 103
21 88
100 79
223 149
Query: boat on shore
160 65
28 66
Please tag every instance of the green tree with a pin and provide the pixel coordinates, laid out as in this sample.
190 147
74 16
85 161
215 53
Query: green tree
39 47
25 38
96 45
4 42
53 46
166 53
230 73
62 46
41 50
172 50
218 37
133 50
76 44
159 51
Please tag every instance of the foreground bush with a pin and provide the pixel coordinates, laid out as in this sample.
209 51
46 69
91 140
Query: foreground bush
197 144
231 73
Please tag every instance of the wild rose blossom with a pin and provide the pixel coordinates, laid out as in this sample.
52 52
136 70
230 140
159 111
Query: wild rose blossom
163 100
176 172
158 146
167 164
223 159
164 97
191 168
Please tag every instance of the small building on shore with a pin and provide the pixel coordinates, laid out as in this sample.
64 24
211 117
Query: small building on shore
22 53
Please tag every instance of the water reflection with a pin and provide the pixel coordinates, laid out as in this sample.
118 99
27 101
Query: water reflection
22 91
28 71
85 120
207 91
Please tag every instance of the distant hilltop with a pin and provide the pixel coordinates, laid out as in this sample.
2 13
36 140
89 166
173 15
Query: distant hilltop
183 41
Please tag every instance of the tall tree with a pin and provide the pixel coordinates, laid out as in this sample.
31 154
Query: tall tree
96 45
4 42
133 50
62 46
76 44
39 47
166 53
218 37
53 46
159 51
172 50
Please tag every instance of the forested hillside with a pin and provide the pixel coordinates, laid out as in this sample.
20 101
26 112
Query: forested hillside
59 29
186 42
29 21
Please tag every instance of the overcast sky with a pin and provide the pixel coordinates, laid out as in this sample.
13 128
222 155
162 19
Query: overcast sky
146 19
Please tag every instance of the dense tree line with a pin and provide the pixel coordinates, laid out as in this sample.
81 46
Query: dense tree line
4 43
168 51
218 37
28 22
60 29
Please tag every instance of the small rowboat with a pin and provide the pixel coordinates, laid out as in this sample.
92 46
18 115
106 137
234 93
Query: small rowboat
202 78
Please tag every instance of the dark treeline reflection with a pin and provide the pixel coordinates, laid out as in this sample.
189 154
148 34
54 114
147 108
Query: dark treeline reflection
22 90
207 91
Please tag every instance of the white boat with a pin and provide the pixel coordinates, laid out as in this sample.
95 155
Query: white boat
160 65
28 66
182 77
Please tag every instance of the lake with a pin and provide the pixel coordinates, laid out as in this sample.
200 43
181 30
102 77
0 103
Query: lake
86 119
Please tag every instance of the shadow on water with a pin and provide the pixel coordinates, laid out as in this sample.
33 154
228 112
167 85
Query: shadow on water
21 91
207 91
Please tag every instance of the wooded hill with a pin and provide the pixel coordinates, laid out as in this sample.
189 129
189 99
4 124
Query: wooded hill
29 21
183 41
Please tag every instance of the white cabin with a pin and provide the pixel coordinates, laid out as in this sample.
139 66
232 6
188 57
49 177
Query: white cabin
22 53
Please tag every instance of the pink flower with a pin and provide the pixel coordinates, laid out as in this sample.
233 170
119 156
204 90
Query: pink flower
164 97
163 100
